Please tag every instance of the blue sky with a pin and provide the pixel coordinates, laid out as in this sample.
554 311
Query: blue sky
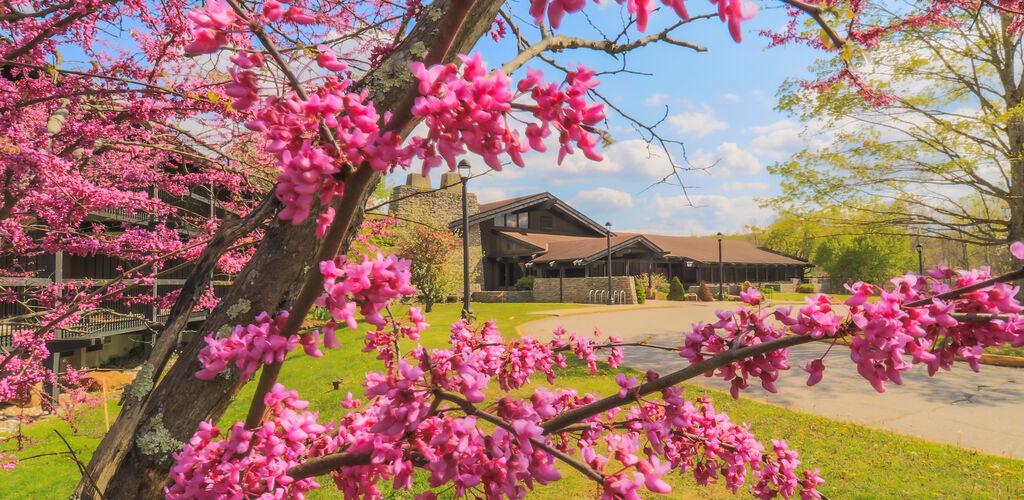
720 104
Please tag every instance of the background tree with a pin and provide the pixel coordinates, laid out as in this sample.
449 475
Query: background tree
847 253
435 269
922 128
868 258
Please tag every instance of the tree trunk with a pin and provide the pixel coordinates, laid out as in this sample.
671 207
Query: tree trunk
133 459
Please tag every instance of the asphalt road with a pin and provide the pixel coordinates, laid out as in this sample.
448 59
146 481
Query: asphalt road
980 411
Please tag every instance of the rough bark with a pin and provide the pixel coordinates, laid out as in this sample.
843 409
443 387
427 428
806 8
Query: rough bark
133 459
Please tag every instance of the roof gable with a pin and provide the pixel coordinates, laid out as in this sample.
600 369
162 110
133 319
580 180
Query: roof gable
494 209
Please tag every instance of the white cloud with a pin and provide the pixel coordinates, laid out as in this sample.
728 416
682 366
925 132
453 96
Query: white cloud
633 157
746 187
780 140
701 214
729 96
656 99
728 158
603 197
489 194
698 123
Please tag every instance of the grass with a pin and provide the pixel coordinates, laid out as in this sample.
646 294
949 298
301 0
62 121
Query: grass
1006 350
801 296
856 461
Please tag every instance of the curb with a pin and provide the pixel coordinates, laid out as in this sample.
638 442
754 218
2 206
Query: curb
1002 360
585 310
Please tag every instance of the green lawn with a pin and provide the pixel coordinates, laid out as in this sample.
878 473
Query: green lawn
857 462
801 296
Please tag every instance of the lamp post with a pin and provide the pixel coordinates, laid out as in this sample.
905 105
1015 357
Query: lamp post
920 260
608 241
467 309
721 272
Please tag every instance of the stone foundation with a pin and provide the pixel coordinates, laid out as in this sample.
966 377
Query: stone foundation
506 296
584 290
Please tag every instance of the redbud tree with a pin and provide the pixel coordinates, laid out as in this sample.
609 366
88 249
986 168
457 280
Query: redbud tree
294 109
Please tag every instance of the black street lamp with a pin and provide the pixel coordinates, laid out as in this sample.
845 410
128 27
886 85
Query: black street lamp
608 240
920 260
721 272
467 309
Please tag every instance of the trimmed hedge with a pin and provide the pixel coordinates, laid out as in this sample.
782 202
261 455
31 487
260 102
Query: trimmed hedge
641 295
704 293
675 289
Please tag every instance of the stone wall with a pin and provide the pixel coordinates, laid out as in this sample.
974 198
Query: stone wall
578 289
417 200
506 296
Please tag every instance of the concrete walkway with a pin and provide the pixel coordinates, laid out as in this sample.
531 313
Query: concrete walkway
980 411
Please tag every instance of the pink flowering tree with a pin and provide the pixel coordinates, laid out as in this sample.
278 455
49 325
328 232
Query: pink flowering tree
324 96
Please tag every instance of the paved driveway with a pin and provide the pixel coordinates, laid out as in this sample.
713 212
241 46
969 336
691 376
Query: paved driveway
982 410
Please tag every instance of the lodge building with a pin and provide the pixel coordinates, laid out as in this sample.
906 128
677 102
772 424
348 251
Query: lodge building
543 236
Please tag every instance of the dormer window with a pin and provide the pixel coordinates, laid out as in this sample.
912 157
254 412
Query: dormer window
520 220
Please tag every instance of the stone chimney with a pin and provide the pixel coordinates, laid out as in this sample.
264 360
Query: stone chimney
418 181
451 181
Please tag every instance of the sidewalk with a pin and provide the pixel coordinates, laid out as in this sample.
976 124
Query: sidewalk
972 410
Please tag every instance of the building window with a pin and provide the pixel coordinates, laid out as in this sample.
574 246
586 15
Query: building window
546 223
524 220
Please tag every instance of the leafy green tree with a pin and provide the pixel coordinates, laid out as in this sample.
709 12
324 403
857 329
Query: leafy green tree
675 289
435 272
869 258
932 141
792 234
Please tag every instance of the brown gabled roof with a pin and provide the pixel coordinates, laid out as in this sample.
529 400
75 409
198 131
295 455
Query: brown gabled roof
564 248
490 210
706 250
559 247
487 207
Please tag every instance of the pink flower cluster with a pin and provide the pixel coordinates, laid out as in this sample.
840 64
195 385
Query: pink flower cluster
565 108
368 286
735 329
24 370
8 461
887 331
676 435
252 463
464 109
887 337
731 12
383 339
307 166
213 24
252 345
467 110
421 413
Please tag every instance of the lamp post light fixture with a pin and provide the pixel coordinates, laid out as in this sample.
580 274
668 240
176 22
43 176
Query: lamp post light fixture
920 260
467 309
721 271
608 241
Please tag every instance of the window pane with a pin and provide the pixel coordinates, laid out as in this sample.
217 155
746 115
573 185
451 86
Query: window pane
524 220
